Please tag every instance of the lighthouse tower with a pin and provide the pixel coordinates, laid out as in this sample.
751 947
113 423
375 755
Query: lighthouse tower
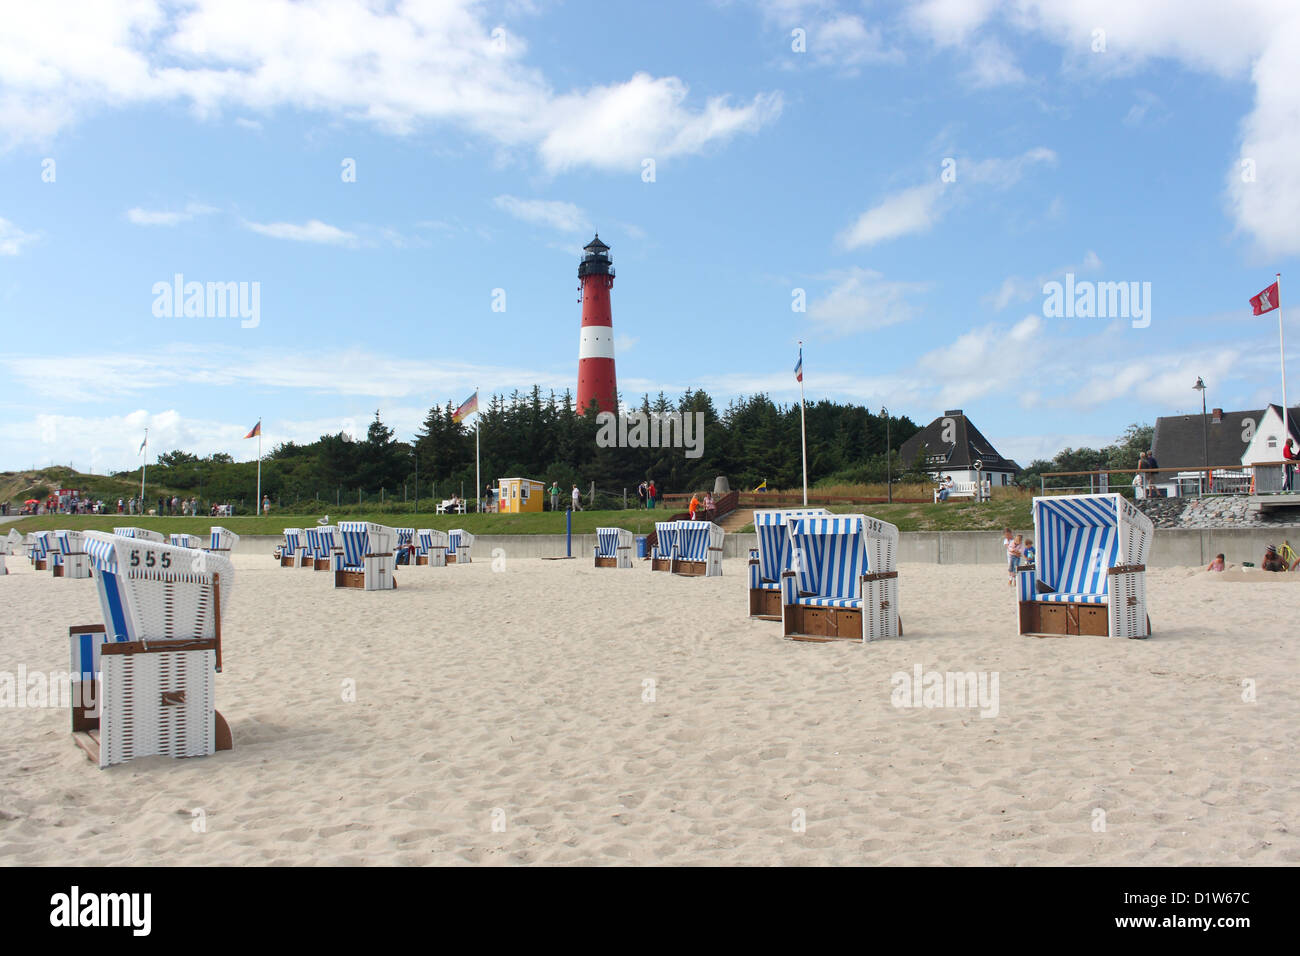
596 346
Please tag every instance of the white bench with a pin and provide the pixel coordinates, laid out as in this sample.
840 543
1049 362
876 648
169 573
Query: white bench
447 504
966 489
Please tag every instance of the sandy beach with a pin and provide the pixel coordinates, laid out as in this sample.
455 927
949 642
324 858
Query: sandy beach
550 713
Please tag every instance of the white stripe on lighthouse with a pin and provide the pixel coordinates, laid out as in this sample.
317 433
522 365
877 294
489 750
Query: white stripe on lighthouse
597 341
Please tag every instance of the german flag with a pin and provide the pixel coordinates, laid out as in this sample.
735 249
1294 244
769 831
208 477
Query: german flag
467 408
255 430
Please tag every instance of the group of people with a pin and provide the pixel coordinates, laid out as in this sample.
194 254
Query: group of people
1273 561
1145 479
647 494
1018 548
703 508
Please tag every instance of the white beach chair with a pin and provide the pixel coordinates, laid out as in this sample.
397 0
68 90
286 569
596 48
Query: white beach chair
72 559
143 681
773 556
367 560
699 549
1090 571
222 541
143 534
405 545
844 583
11 543
431 547
661 554
460 546
192 541
293 553
39 550
613 548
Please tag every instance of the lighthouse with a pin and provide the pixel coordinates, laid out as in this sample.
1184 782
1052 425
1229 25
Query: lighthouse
596 345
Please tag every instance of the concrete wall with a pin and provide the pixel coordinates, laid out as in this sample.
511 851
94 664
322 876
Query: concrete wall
1171 548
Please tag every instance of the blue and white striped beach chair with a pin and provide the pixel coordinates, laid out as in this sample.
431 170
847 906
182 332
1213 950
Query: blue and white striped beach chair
1090 575
698 552
143 681
143 534
320 546
844 583
613 548
71 558
405 545
367 560
192 541
40 550
293 553
661 555
222 541
460 547
431 547
773 556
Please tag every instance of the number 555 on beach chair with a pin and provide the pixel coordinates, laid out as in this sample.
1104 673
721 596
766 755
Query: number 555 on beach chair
613 548
431 548
773 556
460 547
73 562
367 558
698 552
1090 576
143 681
661 555
844 583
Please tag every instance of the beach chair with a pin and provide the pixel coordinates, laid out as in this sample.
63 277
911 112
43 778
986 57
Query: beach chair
1090 575
39 553
431 547
699 549
71 558
143 534
191 541
293 553
460 547
366 560
405 545
222 541
11 543
330 543
143 682
844 583
773 556
613 548
661 555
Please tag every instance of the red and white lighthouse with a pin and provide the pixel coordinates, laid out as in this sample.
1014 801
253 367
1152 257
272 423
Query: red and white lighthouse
596 379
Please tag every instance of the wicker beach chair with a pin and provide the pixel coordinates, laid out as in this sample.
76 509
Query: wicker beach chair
191 541
221 541
72 561
367 560
405 545
773 556
844 583
293 553
460 547
698 552
661 555
431 547
39 550
12 543
142 534
1090 575
613 548
143 682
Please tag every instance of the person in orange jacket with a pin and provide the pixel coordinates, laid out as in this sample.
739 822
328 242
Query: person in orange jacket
695 504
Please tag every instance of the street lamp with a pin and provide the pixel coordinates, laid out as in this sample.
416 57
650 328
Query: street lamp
889 477
416 453
1205 432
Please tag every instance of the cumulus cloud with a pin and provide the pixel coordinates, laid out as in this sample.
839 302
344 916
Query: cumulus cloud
862 300
562 216
167 217
12 239
311 231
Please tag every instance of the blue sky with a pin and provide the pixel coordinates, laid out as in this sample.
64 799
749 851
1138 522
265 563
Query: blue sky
491 139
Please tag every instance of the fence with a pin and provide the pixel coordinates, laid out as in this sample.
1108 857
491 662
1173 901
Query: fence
1262 478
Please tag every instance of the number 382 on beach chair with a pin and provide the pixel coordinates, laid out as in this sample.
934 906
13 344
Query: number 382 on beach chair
844 583
1090 576
143 682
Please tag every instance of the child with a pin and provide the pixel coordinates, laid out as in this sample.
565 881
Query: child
1216 564
1009 542
1030 553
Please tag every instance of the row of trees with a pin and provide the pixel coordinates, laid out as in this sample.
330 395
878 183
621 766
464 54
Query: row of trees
1122 455
541 436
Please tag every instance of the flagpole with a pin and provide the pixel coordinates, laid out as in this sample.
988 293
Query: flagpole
144 463
803 431
1281 345
257 504
478 478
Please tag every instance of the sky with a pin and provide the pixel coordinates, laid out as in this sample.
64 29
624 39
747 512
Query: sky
400 191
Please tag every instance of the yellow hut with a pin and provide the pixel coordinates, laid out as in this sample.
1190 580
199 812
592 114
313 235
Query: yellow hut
517 495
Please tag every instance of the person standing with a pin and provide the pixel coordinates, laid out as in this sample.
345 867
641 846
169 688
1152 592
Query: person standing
652 494
708 505
694 505
1291 454
577 499
641 493
266 504
555 495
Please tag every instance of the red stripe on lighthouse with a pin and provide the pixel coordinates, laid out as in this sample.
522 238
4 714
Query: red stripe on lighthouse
597 380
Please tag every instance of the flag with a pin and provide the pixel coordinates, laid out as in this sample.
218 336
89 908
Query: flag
798 367
467 408
1266 301
142 444
255 430
762 487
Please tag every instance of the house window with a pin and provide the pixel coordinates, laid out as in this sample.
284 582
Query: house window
1272 441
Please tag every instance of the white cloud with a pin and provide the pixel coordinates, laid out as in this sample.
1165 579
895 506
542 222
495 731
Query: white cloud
12 239
1021 289
159 217
564 216
910 211
991 64
311 231
862 300
398 67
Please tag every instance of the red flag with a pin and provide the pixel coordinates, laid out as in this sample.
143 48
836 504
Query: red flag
1266 301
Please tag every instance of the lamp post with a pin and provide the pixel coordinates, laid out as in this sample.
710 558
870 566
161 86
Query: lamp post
415 451
1205 433
889 476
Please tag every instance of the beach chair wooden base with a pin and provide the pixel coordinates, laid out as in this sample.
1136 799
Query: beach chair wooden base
765 604
41 564
288 561
320 564
824 624
661 564
421 559
1063 619
606 562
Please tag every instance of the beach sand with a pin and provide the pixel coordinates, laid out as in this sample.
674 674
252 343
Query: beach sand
552 713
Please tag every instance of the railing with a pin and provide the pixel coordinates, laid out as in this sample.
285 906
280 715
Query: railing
1262 478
